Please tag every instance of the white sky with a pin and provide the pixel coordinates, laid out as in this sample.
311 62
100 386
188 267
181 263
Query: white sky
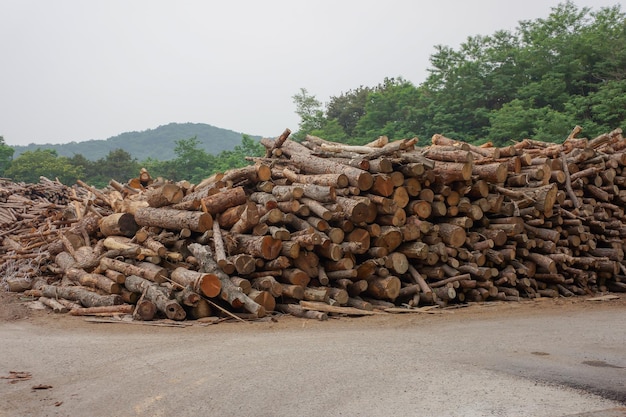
73 70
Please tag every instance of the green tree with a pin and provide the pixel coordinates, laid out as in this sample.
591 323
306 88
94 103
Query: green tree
537 81
310 111
347 109
392 109
236 158
30 165
6 155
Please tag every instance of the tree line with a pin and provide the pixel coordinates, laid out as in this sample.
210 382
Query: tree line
538 81
191 163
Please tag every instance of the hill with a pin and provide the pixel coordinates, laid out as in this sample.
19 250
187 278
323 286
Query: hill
156 143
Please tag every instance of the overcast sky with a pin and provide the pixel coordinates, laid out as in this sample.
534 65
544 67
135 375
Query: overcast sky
73 70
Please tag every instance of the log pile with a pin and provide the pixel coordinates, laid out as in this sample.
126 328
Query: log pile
317 228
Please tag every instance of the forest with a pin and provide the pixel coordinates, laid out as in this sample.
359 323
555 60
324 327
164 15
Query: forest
537 81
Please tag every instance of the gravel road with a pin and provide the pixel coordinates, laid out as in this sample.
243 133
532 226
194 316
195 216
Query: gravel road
554 358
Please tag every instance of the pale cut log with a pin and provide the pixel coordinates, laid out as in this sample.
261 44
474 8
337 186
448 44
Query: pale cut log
297 311
322 276
495 173
390 238
174 219
170 308
384 288
338 294
338 180
488 152
222 200
400 196
125 244
397 262
316 294
452 235
155 246
247 220
357 241
200 310
383 185
53 304
323 307
447 154
290 249
394 147
268 283
229 292
280 262
119 224
332 251
414 250
244 285
144 269
295 276
104 310
251 173
279 233
542 233
93 280
164 195
265 247
244 263
86 226
303 158
186 297
277 144
231 215
355 210
263 298
75 293
417 278
446 293
293 291
360 304
317 207
207 284
446 281
321 193
287 192
449 172
220 252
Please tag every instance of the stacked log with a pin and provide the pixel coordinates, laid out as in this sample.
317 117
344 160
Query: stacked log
381 225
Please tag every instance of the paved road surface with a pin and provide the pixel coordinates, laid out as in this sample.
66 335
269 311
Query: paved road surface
511 362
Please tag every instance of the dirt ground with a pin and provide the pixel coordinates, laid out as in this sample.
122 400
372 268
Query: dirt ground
548 357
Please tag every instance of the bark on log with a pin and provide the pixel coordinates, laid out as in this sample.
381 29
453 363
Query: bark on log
85 297
208 285
174 219
303 158
229 292
170 308
145 270
119 224
165 195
